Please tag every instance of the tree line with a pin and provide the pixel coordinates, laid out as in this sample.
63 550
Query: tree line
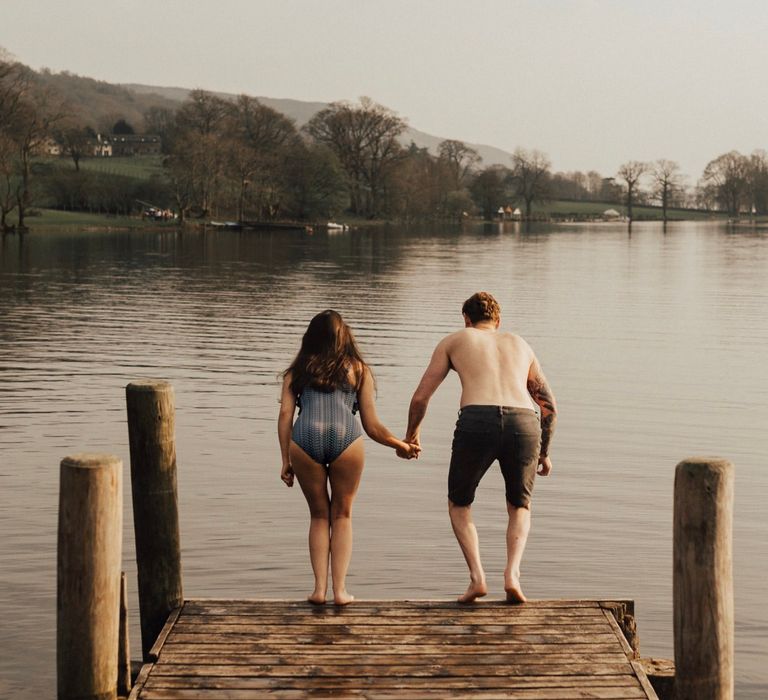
244 160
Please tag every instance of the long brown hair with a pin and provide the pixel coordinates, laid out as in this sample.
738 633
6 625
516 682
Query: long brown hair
328 352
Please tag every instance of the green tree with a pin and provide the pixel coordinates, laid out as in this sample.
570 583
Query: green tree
489 189
364 138
122 127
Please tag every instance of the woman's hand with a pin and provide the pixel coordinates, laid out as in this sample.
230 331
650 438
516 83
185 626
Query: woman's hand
408 450
286 474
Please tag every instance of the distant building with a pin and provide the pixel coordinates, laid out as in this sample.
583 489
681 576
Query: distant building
612 215
102 147
50 147
127 145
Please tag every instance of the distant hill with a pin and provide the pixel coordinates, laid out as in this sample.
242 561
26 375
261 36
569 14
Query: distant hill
100 104
301 112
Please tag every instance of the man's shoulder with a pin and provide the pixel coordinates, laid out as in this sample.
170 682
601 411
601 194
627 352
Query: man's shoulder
513 337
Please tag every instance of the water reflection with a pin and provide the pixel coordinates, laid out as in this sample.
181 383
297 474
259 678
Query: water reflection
654 344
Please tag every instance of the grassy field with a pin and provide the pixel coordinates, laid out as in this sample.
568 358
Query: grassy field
51 218
562 208
139 167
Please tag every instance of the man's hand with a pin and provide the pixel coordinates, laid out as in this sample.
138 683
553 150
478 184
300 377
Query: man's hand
286 474
408 451
545 466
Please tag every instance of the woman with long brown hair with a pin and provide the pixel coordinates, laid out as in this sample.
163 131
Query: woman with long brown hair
329 381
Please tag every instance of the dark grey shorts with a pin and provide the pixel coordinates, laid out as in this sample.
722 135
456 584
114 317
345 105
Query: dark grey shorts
483 434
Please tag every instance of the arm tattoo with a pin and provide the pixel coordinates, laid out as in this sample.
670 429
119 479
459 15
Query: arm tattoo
542 395
547 428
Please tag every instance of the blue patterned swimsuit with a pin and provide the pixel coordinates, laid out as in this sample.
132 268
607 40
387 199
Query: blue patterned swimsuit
326 425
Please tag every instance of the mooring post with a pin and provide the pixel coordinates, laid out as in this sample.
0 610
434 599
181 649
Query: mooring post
88 586
703 580
123 648
155 504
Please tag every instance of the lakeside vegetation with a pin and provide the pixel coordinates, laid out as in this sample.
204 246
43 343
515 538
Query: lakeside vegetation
241 160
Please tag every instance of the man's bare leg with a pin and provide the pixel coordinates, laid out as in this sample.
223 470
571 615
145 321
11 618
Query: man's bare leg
517 535
466 534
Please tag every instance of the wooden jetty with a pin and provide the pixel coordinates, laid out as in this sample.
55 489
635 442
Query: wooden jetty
233 649
236 649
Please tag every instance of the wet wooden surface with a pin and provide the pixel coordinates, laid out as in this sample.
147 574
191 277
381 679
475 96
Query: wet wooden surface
237 649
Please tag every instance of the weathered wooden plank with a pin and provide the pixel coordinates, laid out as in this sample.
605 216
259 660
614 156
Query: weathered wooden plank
396 604
553 637
417 658
611 620
478 609
367 630
164 632
541 669
648 689
594 618
496 694
141 679
246 647
401 682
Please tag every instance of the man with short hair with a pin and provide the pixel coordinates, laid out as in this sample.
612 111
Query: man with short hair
501 384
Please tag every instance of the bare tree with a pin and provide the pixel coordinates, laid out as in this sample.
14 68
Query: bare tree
725 178
364 138
8 150
199 147
460 160
667 183
531 177
631 173
35 114
255 136
75 140
14 88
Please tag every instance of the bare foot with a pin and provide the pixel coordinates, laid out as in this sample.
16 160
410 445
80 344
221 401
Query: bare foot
514 591
474 591
316 598
342 598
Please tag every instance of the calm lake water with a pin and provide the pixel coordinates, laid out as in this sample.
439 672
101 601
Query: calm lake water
654 343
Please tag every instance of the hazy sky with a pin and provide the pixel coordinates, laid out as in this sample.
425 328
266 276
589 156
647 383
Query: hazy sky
591 83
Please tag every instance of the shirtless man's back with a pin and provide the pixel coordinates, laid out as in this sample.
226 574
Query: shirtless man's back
501 385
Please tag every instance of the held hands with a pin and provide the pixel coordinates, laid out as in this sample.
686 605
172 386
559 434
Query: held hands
286 474
408 450
545 466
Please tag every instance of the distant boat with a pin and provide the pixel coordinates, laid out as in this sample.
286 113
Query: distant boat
331 225
227 224
261 225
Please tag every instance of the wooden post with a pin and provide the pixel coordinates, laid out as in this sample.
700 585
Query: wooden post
88 590
124 648
155 504
702 581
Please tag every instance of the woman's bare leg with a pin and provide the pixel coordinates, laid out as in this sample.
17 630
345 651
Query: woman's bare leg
345 473
313 479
